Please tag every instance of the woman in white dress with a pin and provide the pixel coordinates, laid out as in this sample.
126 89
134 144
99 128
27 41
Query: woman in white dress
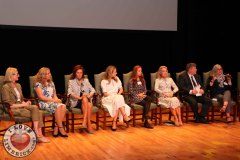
112 98
166 88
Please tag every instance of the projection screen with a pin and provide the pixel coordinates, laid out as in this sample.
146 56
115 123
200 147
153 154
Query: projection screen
100 14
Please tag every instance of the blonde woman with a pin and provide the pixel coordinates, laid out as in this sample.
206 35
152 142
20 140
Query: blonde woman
48 100
220 86
112 98
12 94
166 88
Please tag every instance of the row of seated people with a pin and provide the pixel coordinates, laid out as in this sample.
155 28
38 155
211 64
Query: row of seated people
81 92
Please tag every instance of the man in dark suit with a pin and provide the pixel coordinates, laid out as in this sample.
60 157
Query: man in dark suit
191 90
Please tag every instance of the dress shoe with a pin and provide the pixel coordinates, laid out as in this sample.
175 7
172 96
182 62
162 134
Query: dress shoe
62 135
114 129
90 131
203 120
42 139
55 135
83 126
148 125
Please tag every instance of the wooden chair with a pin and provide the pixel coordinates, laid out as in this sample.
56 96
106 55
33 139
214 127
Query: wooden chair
136 107
73 120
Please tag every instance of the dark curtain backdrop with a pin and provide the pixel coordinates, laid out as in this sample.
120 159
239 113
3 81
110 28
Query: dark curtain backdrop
205 29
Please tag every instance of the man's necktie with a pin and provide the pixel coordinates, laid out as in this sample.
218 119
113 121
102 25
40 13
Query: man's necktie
194 83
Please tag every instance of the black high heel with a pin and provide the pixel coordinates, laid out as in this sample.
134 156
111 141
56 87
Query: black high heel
62 135
127 122
55 135
114 129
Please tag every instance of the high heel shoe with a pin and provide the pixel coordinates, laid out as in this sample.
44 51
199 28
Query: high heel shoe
126 121
55 135
62 135
42 139
223 109
114 129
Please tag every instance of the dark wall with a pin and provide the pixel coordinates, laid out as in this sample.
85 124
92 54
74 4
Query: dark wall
204 31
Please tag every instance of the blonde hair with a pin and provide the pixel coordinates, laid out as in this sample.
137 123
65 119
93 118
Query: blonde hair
215 69
160 71
10 71
42 74
109 72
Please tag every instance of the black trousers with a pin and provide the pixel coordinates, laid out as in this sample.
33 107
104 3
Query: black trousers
194 100
146 103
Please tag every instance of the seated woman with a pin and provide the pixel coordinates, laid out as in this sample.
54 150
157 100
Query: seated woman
166 88
12 94
137 89
219 86
112 98
81 93
48 100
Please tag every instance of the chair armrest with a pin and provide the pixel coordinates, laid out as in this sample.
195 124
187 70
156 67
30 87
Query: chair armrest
7 108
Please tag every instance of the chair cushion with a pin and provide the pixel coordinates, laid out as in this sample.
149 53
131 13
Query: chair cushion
95 109
153 106
45 113
22 119
76 110
5 117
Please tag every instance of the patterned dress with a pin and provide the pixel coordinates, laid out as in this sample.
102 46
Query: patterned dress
75 88
166 85
47 91
134 90
114 101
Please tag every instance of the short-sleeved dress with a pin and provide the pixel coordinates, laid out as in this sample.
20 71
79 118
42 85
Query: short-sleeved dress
114 101
166 85
47 91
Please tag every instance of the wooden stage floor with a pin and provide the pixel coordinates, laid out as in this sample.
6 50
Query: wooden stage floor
214 141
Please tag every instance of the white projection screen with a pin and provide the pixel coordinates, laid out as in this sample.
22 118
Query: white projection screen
98 14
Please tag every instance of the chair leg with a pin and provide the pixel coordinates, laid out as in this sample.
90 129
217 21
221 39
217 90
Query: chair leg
134 117
72 128
67 123
97 121
44 125
212 113
186 114
155 110
170 115
234 113
104 120
160 115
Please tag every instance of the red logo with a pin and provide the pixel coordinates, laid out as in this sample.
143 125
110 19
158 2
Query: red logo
19 140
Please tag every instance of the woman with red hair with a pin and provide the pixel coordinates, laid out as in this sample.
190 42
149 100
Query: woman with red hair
137 89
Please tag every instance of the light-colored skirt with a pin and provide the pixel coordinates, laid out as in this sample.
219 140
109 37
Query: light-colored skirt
113 103
170 102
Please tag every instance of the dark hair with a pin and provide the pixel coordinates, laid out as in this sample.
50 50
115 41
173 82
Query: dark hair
75 69
190 65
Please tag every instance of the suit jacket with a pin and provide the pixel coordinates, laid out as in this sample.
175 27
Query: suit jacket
185 84
9 95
